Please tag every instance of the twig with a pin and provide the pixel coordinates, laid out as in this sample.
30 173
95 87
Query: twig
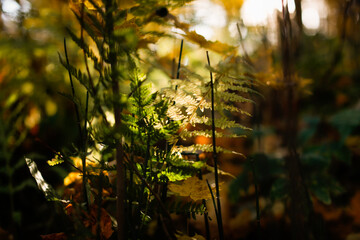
120 174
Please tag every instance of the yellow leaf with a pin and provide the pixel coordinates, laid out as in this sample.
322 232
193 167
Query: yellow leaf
216 46
55 161
192 36
192 187
232 7
126 3
87 4
71 178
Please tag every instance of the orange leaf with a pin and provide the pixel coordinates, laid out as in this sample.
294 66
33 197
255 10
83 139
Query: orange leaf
105 222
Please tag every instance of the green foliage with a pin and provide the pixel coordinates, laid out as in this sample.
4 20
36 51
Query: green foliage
268 170
346 121
271 174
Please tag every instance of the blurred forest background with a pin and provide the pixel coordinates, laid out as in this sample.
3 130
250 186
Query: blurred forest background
36 121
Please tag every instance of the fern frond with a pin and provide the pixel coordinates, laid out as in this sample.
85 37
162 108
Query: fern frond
199 120
233 97
82 78
89 53
200 147
175 113
238 88
189 208
241 80
206 133
223 106
224 123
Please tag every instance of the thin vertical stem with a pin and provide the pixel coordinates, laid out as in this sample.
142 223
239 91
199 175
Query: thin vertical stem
257 197
73 90
119 155
84 153
100 196
206 215
299 205
179 63
219 217
83 137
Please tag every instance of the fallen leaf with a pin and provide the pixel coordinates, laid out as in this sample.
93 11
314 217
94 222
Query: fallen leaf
105 222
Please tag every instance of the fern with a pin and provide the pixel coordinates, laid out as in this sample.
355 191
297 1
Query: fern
190 209
192 104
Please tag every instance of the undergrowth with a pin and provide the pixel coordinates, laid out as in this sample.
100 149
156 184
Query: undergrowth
132 168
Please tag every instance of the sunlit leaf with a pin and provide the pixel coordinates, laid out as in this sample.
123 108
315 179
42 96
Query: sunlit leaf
216 46
87 4
55 161
43 186
192 187
71 178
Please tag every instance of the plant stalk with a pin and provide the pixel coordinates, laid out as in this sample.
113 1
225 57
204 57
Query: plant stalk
179 63
119 155
219 217
299 208
73 91
257 199
84 153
